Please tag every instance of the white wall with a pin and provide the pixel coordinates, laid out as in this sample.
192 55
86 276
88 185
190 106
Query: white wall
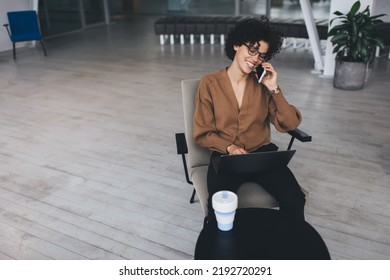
7 6
382 7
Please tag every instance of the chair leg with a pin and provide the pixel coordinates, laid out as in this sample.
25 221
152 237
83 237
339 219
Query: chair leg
193 197
14 50
291 143
43 47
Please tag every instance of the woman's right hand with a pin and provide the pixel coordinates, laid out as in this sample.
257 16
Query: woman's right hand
235 150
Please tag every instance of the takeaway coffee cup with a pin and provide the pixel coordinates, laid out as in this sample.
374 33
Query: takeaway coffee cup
224 205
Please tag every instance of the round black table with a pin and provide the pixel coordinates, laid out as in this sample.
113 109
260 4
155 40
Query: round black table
260 234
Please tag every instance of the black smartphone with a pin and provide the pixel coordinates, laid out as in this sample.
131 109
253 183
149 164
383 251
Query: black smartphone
260 73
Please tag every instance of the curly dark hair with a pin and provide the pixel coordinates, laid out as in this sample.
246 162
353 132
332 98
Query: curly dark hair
253 30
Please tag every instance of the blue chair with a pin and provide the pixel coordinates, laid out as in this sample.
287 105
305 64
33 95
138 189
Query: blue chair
24 27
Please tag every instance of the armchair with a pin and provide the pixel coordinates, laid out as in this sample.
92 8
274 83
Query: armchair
196 164
23 26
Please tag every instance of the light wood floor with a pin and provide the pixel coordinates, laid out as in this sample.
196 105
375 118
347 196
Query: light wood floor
88 164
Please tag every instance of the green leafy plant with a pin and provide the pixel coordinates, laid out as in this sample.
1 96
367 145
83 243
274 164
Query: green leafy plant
355 38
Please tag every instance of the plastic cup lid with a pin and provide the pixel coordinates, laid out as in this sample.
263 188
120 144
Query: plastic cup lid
224 201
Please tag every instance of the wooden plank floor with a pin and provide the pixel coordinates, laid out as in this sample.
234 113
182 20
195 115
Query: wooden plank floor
88 164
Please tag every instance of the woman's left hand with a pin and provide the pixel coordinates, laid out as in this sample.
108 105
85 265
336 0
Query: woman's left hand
270 80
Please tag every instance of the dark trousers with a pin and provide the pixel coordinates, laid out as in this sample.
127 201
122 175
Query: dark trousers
281 184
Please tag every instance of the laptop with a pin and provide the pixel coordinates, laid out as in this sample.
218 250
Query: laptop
252 162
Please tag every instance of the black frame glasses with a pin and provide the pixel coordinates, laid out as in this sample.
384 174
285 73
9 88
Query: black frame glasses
252 50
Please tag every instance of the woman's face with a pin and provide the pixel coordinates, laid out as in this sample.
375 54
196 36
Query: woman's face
249 56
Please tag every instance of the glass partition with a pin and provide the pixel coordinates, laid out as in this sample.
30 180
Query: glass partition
93 11
59 16
273 8
219 7
62 16
291 9
119 9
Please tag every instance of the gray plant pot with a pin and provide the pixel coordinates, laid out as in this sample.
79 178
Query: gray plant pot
349 75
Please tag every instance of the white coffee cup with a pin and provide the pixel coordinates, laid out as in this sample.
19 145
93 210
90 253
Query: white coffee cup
225 205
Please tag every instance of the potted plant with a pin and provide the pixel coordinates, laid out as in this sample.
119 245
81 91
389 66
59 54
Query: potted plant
355 39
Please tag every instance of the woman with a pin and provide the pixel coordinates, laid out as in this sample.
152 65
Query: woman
233 109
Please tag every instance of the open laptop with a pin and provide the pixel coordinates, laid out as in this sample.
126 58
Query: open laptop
252 162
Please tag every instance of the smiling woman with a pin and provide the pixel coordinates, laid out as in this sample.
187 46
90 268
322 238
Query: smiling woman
233 112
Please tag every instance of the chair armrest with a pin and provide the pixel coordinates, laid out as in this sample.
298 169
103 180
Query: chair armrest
181 143
182 149
300 135
6 26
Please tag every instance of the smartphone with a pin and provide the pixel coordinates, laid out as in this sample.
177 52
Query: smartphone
260 73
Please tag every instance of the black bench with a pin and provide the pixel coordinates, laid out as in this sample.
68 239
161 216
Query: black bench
200 26
296 29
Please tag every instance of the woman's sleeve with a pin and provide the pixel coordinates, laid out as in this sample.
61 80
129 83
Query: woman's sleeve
204 128
282 115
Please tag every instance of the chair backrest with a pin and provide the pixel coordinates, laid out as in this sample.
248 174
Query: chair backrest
24 25
197 156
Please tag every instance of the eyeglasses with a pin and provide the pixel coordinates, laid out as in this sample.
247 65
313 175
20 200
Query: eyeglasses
252 50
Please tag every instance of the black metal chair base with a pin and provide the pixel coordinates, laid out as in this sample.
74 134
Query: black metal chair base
192 199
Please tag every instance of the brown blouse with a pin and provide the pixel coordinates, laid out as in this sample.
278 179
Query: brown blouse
219 122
